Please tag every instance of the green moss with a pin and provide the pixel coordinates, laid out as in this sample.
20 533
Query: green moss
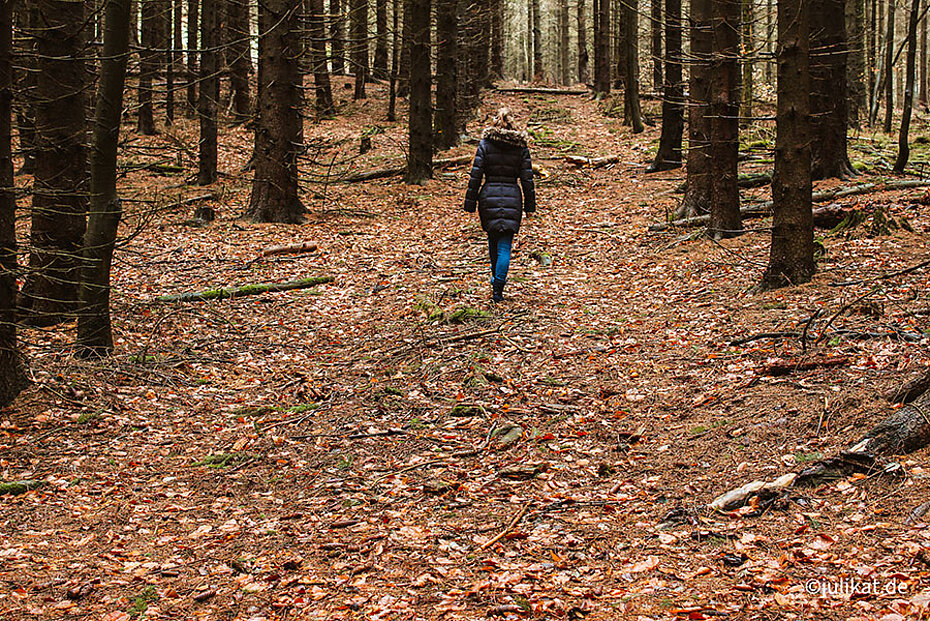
15 488
223 460
141 603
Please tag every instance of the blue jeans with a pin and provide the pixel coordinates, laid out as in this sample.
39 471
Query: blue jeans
500 247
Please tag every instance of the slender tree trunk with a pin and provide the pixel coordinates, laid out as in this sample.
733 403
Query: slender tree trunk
12 377
537 41
420 154
59 204
193 25
26 80
655 26
209 93
725 217
620 50
153 32
565 72
769 43
446 74
602 47
922 98
240 60
855 66
336 35
483 49
359 21
904 150
889 68
395 53
698 188
631 106
669 154
497 39
791 261
871 56
748 45
530 70
174 28
381 42
403 87
278 134
583 58
324 91
828 89
94 331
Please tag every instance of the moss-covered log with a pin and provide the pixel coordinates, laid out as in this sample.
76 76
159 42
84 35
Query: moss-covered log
238 292
15 488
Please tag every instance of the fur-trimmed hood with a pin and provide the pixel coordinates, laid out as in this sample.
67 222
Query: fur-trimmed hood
507 136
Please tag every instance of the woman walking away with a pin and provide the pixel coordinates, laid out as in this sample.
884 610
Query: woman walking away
502 158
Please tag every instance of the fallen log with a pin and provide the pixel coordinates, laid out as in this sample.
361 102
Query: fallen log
542 91
394 171
593 162
238 292
784 367
289 249
911 389
765 209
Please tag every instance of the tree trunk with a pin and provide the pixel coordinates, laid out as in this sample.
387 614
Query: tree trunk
855 66
26 83
698 192
420 158
602 47
12 376
537 41
94 332
769 46
403 81
922 98
632 111
193 23
324 90
240 58
209 93
395 52
446 74
359 21
381 42
59 204
336 35
497 40
745 112
669 154
565 70
791 260
582 42
725 217
620 49
153 31
904 151
889 68
278 133
828 89
173 39
656 44
483 47
903 432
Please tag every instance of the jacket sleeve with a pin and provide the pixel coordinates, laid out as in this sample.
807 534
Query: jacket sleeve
474 182
526 180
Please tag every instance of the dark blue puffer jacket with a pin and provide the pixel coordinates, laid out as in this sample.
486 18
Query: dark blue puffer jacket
501 160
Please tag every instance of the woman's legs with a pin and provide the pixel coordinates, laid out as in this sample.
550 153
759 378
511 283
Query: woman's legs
500 247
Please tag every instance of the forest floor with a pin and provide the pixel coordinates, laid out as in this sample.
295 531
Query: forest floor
354 451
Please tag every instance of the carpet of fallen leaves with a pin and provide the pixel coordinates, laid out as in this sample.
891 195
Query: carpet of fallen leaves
392 446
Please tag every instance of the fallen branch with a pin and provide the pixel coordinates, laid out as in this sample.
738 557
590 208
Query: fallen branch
510 527
764 209
784 367
395 171
592 162
906 270
911 389
289 249
192 200
238 292
764 335
543 91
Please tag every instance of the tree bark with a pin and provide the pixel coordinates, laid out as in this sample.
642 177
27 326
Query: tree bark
655 26
497 39
395 52
94 331
278 133
904 151
889 67
748 46
669 153
855 66
25 17
153 44
336 35
565 70
632 111
359 21
420 153
240 58
922 98
403 82
446 74
602 47
791 259
698 189
174 43
537 41
828 89
12 376
725 218
324 91
208 93
59 204
482 63
583 58
193 24
381 42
